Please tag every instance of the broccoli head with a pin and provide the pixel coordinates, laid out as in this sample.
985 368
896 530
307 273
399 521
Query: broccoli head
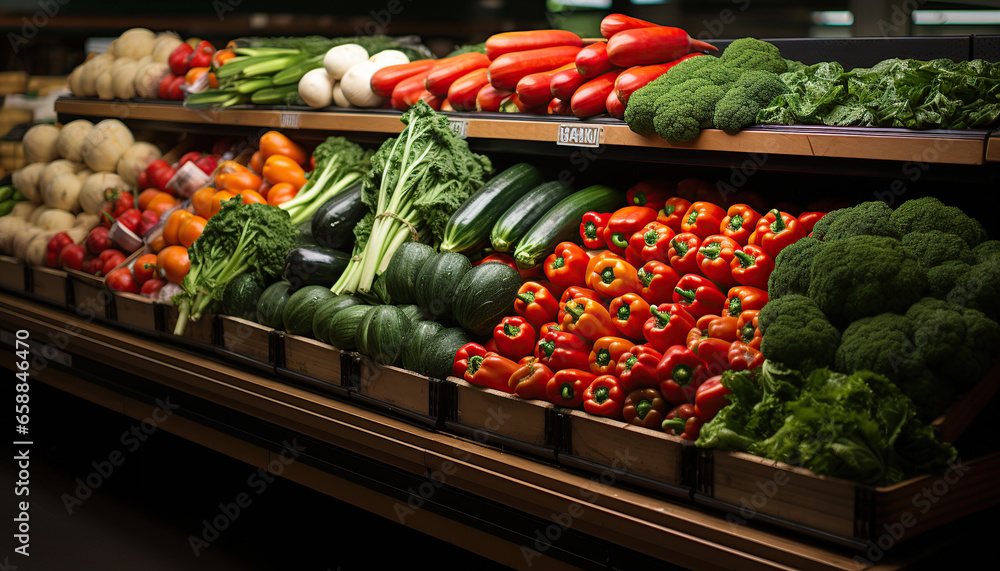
986 251
682 112
934 247
979 288
641 107
865 219
929 213
754 54
751 92
862 276
941 279
797 334
954 342
792 267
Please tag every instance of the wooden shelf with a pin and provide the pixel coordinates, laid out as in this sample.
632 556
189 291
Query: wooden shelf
972 147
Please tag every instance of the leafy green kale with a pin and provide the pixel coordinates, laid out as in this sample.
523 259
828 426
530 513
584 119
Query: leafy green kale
240 238
797 334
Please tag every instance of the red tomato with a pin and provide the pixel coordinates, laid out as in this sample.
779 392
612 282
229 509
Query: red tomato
71 256
144 268
112 261
152 286
122 280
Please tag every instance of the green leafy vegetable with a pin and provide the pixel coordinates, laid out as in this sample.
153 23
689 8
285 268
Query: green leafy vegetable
339 163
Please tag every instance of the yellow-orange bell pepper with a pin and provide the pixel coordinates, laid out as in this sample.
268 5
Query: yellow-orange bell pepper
235 177
279 168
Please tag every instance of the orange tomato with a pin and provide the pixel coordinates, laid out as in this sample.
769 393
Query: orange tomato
279 168
157 244
190 229
235 177
147 195
257 161
173 263
161 203
173 225
276 143
217 199
281 193
252 197
201 201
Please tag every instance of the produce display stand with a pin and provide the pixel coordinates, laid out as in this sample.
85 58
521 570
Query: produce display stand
13 274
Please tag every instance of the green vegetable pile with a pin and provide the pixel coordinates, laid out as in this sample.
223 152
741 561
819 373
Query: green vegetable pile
339 164
855 426
241 238
706 92
896 92
911 293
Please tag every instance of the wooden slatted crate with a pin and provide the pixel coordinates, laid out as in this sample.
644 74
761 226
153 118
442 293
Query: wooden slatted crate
398 391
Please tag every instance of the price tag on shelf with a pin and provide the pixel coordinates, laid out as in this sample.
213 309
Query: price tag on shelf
290 120
579 135
460 127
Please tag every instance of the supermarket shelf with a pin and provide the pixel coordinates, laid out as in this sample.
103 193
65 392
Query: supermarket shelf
967 147
370 459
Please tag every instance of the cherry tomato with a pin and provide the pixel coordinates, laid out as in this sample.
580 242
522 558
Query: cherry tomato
144 268
173 263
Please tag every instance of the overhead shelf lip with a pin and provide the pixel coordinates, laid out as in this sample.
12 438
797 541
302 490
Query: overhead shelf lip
932 146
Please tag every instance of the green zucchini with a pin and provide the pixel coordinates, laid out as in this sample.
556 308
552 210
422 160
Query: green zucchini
326 311
297 315
439 352
484 296
519 218
240 297
381 334
562 223
344 326
333 223
414 312
471 224
436 283
421 334
272 302
314 265
400 276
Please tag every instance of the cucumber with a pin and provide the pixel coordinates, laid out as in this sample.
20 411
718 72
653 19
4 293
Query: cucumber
333 223
240 297
326 311
314 265
400 276
484 296
7 206
439 352
272 304
519 218
437 281
562 223
297 315
381 334
6 193
471 224
421 334
344 326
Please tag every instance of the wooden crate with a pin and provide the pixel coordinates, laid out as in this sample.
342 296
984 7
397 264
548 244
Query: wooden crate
200 332
752 489
136 311
495 417
248 341
13 274
620 451
49 283
398 391
89 294
313 362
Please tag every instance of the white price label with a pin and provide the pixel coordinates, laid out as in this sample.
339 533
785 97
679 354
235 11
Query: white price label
290 120
460 127
579 136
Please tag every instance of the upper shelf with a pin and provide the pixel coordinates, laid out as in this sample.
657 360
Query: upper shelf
967 147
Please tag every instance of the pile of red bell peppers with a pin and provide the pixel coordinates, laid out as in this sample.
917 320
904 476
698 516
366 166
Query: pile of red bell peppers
639 322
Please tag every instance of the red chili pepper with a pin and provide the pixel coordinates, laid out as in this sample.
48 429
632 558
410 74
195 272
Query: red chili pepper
683 253
668 326
743 357
711 398
637 76
564 350
657 281
614 23
613 276
680 373
751 266
536 304
638 368
592 229
739 223
652 45
529 380
775 230
699 295
623 223
645 407
629 313
605 397
715 258
592 60
702 219
683 421
567 266
652 242
672 212
564 84
742 298
748 328
604 356
566 387
515 337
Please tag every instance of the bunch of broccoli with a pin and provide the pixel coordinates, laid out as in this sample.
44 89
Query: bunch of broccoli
912 293
724 92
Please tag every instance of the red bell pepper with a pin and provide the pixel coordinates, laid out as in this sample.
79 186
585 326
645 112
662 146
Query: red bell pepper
672 212
743 357
683 253
715 258
575 292
713 326
680 373
567 266
752 266
566 387
668 326
605 354
638 368
715 353
515 337
536 304
775 230
605 397
613 276
629 313
651 193
657 282
683 421
149 220
699 295
592 229
742 298
645 407
739 223
623 223
809 219
711 398
492 371
652 242
702 219
544 330
588 318
529 380
748 329
564 350
461 363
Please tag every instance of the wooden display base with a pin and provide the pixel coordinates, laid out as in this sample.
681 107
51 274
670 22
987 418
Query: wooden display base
309 359
247 341
89 293
398 391
13 273
49 283
136 311
199 332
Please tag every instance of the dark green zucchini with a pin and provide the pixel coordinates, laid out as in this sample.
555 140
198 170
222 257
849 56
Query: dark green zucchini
326 311
314 265
439 352
484 296
414 312
470 225
519 218
344 326
421 334
400 276
271 305
297 316
436 283
382 334
241 295
333 223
